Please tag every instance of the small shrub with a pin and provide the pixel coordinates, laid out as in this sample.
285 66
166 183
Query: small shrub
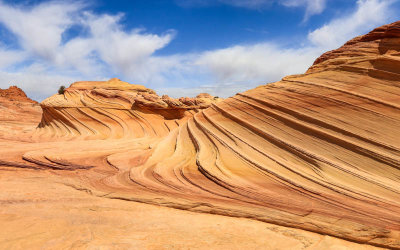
61 90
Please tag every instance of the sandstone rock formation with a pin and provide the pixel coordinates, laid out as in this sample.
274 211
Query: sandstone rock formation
19 115
13 93
318 152
115 109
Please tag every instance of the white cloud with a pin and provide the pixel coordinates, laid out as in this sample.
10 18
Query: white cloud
39 29
368 15
36 81
10 57
265 61
313 7
220 89
128 53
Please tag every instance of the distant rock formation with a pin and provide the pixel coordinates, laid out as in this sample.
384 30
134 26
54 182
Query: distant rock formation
13 93
115 109
19 114
377 42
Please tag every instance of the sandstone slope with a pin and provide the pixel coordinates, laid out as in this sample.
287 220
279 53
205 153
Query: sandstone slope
19 115
319 151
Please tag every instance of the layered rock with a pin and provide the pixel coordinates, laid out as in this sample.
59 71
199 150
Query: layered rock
115 109
319 151
380 44
13 93
19 114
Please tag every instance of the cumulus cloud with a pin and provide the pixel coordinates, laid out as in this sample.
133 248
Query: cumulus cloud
124 51
256 62
39 29
368 15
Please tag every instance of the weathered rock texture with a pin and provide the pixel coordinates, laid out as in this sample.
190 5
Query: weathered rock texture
115 109
19 115
13 93
318 151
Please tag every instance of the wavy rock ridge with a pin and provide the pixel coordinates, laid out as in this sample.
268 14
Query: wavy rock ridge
115 109
318 151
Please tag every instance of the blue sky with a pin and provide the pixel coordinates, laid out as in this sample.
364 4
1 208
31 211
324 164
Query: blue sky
177 47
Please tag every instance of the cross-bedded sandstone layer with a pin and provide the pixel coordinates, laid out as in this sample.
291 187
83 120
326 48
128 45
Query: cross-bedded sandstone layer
115 109
318 151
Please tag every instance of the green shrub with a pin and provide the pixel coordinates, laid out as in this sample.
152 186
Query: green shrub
61 90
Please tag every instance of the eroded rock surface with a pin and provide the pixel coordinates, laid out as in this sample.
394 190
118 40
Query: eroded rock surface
19 115
115 109
13 93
